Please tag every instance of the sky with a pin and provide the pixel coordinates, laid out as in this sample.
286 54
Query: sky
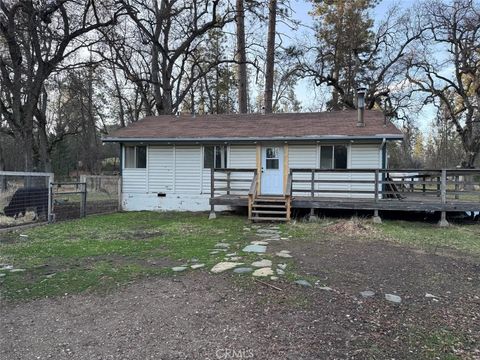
305 90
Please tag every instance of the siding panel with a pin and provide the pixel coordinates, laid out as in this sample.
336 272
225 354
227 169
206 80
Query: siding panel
134 180
160 169
188 169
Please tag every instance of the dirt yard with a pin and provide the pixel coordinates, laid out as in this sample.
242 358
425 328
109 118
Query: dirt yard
198 315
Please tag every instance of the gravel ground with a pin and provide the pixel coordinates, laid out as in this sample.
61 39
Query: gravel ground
201 316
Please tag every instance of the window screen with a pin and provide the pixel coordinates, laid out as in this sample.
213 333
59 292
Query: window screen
208 156
129 156
326 157
215 155
333 157
340 156
141 157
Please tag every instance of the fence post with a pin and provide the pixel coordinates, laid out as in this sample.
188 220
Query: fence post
119 191
212 194
83 201
443 192
50 214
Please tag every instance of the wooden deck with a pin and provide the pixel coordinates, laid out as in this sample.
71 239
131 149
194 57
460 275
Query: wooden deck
453 190
410 203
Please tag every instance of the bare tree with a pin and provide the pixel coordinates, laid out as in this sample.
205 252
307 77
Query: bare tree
241 57
455 28
39 37
169 34
377 63
270 59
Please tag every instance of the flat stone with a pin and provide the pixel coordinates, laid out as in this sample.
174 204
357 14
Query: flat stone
17 270
197 266
7 267
283 255
325 288
222 245
255 248
274 278
367 293
280 272
235 258
427 295
2 274
179 268
231 254
262 263
223 266
259 242
214 252
266 271
393 298
285 251
242 270
304 283
194 260
282 266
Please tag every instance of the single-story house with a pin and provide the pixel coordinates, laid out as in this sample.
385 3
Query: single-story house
167 161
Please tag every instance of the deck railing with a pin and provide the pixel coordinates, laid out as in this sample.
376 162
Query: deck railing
231 181
381 184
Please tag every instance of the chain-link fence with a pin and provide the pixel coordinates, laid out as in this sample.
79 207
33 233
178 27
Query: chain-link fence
24 198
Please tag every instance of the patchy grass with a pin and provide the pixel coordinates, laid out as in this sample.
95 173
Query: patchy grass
439 344
421 235
100 252
427 236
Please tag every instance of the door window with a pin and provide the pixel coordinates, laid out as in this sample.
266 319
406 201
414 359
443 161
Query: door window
271 159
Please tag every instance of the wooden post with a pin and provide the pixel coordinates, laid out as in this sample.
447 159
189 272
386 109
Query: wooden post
424 187
376 217
50 215
438 186
83 201
312 193
119 193
212 194
457 188
443 192
228 182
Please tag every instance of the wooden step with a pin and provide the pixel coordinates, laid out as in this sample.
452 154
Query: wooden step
269 206
270 200
255 218
272 212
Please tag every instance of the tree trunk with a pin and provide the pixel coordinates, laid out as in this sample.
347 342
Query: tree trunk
119 96
270 60
241 58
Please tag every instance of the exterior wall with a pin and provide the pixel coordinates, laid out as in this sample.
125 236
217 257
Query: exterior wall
176 180
360 156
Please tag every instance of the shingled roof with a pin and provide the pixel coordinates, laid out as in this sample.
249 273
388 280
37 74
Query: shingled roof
243 127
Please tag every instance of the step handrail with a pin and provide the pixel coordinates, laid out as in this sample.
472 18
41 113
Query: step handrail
252 193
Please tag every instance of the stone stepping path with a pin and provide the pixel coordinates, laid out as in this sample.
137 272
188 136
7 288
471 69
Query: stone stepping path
259 268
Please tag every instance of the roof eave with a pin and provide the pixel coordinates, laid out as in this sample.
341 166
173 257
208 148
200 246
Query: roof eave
254 139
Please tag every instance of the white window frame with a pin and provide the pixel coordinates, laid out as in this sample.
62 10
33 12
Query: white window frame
333 156
225 151
134 156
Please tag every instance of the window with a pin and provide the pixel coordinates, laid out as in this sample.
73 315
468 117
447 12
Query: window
215 156
136 157
271 160
333 157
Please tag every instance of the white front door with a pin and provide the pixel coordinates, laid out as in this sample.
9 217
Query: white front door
272 170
